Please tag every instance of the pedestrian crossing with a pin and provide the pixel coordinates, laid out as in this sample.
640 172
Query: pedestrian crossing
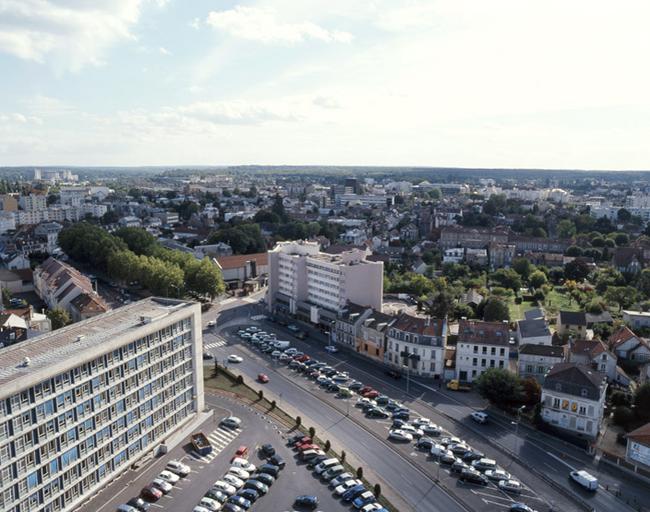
258 317
219 439
216 344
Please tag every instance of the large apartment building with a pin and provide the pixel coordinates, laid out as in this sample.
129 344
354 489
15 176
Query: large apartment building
315 286
481 345
81 404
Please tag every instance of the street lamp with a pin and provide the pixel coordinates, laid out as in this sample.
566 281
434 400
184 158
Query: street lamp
408 357
516 423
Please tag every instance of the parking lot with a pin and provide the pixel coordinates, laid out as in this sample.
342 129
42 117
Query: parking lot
491 497
256 429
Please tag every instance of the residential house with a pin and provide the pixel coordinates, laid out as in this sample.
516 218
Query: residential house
456 236
354 236
129 222
638 447
16 261
244 270
347 325
409 232
476 256
594 353
453 255
86 305
17 281
594 319
637 319
13 329
629 347
536 360
628 260
372 339
574 322
534 331
500 255
573 399
471 298
417 343
481 345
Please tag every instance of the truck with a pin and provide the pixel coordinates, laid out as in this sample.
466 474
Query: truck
456 385
584 479
201 444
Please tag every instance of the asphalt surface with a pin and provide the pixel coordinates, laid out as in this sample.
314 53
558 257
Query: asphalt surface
256 430
521 448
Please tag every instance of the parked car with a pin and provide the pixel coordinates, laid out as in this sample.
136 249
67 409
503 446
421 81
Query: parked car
267 450
400 435
240 501
278 461
151 493
250 494
231 421
169 477
242 463
216 495
231 479
484 464
269 469
331 349
343 477
265 478
363 499
377 412
209 504
355 385
497 475
139 504
469 476
458 467
513 486
126 508
425 443
256 485
342 488
164 486
447 457
224 487
178 467
431 430
352 493
520 507
306 501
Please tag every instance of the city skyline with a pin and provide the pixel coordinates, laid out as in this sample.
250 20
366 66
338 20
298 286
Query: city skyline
443 84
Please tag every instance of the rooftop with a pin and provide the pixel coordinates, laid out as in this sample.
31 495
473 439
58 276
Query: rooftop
533 328
57 346
477 331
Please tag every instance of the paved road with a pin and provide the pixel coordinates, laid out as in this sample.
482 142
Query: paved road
547 454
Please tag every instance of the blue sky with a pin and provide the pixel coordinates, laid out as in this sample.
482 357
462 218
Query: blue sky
503 83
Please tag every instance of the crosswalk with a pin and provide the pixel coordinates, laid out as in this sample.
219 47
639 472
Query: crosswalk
258 317
219 439
216 344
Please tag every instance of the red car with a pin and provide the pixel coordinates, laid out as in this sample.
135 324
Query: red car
302 358
150 493
371 394
241 453
305 447
365 389
263 378
303 441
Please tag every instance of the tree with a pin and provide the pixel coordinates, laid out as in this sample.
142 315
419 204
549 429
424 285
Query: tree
377 490
537 279
495 204
644 282
576 270
499 386
566 229
609 276
507 278
532 391
642 401
624 296
59 318
278 208
138 240
623 416
204 278
623 216
621 239
6 297
574 251
440 303
495 310
243 238
266 217
523 267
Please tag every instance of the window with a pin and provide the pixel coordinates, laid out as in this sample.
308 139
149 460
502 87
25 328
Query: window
491 363
476 349
584 392
483 363
474 361
502 352
556 403
529 368
484 350
500 364
493 351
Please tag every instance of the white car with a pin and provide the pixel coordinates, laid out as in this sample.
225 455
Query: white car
199 508
513 486
239 473
161 484
231 479
234 358
212 323
178 467
437 449
238 462
479 417
343 477
210 504
276 354
400 435
285 357
331 349
497 474
168 476
348 484
252 328
224 487
231 421
365 401
370 507
419 422
415 432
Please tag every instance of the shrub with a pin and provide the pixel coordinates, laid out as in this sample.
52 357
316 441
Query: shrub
623 416
619 398
312 432
359 472
377 490
298 420
260 394
240 379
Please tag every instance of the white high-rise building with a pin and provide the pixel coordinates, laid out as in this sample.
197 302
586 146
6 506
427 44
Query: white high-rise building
80 405
315 286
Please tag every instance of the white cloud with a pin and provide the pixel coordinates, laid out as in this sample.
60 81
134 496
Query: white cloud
164 51
326 102
264 26
67 34
195 23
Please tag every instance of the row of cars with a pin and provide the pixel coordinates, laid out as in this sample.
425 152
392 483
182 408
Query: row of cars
331 471
161 485
241 486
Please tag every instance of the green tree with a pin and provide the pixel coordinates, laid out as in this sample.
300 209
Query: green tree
644 282
440 303
243 238
609 276
138 240
495 310
266 217
621 239
59 317
507 278
624 296
576 270
566 229
278 208
495 204
623 216
499 386
537 279
204 278
642 401
523 267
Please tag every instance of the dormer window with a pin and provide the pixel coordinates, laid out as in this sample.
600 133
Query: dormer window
584 392
558 387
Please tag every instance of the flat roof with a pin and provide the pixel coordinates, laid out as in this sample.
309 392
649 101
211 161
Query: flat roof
55 347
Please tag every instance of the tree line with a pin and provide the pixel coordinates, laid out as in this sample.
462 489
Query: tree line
133 254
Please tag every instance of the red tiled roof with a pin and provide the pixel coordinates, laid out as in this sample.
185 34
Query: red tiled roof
230 262
621 336
477 331
641 434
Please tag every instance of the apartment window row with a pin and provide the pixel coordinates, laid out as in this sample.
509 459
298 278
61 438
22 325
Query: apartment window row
493 350
488 362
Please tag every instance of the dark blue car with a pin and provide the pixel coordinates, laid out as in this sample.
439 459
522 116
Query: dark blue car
240 501
310 502
249 494
352 493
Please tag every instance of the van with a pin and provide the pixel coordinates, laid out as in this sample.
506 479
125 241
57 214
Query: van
326 464
584 479
281 345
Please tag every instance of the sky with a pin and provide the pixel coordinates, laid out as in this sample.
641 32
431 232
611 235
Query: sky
458 83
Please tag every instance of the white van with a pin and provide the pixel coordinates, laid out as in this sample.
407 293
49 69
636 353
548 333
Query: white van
585 479
326 464
281 345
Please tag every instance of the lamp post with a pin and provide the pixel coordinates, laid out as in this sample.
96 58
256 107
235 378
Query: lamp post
516 423
408 357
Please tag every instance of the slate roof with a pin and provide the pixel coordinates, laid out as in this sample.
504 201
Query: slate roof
542 350
419 325
483 333
572 378
572 318
533 328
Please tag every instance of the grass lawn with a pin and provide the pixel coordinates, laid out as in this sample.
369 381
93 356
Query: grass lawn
559 300
517 310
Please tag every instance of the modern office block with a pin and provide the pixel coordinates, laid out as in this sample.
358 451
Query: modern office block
81 404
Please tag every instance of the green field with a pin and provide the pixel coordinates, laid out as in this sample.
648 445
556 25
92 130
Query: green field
556 301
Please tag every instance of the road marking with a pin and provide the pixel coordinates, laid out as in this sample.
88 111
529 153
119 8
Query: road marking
219 439
494 503
216 344
560 460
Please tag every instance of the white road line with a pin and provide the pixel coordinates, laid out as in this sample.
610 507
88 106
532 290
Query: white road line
561 461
